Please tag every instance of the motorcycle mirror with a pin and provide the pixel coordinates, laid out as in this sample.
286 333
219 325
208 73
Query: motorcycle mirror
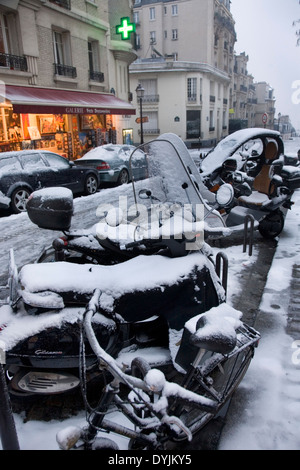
230 164
145 193
225 195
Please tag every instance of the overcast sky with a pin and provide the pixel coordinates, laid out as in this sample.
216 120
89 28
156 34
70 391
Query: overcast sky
266 34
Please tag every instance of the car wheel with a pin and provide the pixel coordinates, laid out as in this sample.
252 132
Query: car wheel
19 200
123 177
91 184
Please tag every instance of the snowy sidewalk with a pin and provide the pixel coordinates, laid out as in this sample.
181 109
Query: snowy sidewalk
265 412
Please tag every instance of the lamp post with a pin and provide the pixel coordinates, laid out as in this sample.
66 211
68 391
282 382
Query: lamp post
140 94
279 116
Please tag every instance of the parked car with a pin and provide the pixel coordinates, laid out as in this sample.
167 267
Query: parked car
25 171
112 162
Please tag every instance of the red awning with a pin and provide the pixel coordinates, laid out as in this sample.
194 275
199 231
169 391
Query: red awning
33 100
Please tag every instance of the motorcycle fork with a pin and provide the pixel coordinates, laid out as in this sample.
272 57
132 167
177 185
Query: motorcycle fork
106 399
194 373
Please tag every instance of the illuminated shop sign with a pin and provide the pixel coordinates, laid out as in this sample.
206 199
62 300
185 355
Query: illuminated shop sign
125 28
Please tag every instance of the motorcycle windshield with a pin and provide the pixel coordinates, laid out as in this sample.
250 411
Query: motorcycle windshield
233 142
172 177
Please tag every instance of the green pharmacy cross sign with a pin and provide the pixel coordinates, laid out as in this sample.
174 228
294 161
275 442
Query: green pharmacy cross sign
125 28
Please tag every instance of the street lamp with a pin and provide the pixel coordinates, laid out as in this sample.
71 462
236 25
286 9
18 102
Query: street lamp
279 116
140 91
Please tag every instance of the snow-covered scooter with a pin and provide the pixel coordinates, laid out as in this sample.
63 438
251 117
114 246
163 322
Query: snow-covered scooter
263 178
160 298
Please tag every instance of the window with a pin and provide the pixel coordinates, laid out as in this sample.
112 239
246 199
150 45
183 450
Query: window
152 13
94 67
193 124
136 17
211 120
174 10
152 37
4 34
137 41
55 161
31 161
174 34
59 48
165 34
10 164
192 89
62 54
9 47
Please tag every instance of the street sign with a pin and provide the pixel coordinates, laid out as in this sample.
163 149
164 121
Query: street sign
265 118
144 119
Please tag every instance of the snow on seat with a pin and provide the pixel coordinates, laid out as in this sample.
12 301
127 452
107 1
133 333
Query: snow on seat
256 199
143 286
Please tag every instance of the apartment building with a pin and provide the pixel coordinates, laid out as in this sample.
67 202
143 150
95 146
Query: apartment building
252 104
185 64
64 74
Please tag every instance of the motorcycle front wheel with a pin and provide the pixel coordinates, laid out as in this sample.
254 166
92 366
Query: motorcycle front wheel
272 225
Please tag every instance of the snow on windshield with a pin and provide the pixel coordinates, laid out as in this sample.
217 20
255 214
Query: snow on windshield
229 145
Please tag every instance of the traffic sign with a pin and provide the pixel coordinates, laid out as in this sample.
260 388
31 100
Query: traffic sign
144 119
265 118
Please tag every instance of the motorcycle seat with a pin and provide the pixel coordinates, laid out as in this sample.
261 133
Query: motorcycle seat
256 199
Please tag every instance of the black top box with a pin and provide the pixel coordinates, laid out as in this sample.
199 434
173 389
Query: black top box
51 208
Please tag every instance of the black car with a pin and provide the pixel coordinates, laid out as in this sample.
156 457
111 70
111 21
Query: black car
25 171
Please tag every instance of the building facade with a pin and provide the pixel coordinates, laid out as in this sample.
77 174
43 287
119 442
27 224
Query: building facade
185 64
64 74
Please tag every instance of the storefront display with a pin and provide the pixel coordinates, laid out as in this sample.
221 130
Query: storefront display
68 122
68 135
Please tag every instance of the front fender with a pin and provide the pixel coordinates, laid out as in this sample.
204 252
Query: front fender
19 184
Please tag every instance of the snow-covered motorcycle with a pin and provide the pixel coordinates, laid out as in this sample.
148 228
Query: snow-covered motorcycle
162 299
176 399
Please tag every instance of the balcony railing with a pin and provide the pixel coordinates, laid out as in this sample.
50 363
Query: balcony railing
151 99
150 131
13 62
96 76
192 97
65 70
62 3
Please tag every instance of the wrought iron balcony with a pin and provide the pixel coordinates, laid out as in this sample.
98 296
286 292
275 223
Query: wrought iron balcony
96 76
13 62
65 70
151 99
62 3
192 97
